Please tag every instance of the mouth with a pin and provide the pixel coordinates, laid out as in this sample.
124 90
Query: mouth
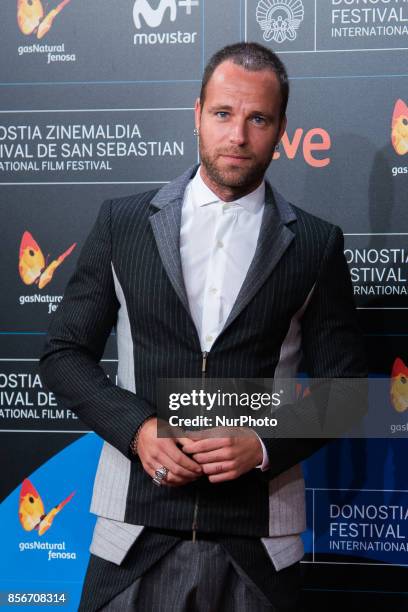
235 159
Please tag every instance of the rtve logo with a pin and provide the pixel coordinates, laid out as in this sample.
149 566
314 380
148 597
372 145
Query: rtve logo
306 143
154 17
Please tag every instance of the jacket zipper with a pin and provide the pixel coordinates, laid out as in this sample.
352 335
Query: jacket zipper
204 365
194 525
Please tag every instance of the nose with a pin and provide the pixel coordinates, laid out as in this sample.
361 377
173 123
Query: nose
238 132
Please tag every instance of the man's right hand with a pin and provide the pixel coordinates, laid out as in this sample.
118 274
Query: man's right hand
155 452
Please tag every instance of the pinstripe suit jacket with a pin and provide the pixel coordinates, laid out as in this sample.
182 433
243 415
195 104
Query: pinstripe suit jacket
295 301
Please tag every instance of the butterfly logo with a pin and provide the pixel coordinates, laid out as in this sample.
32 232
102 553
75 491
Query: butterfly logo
32 264
399 386
301 391
399 129
31 509
31 16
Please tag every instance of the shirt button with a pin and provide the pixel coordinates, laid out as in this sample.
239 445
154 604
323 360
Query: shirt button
208 338
213 290
220 244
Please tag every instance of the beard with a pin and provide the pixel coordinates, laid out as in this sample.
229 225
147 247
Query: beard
230 176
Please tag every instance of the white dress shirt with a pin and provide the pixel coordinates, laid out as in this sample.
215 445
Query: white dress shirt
217 244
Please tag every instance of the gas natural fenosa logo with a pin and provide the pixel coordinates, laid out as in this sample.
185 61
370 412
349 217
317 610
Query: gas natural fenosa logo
279 19
32 18
31 511
33 266
399 128
399 386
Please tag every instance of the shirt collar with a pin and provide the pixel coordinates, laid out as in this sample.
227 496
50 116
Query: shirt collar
202 195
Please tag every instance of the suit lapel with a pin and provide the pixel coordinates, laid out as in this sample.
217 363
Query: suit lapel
166 224
274 239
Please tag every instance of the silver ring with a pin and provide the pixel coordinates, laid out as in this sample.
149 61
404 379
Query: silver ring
160 475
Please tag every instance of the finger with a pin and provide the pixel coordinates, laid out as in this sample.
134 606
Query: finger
186 443
169 447
209 444
206 434
174 482
177 473
215 456
199 434
211 469
172 479
184 439
165 453
231 475
181 459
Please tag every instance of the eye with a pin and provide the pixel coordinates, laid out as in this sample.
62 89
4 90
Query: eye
258 120
222 114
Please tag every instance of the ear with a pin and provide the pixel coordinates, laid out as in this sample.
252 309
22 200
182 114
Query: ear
282 128
197 113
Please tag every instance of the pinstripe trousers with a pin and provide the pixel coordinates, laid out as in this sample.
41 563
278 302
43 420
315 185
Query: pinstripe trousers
190 577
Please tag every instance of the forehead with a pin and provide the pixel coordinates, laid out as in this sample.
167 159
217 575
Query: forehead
234 83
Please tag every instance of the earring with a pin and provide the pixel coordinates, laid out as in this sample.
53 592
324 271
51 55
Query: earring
196 132
277 147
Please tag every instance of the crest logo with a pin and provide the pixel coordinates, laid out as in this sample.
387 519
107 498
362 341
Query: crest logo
279 19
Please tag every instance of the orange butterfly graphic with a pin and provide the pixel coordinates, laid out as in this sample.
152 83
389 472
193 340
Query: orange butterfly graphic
30 16
301 392
399 386
31 509
32 264
399 133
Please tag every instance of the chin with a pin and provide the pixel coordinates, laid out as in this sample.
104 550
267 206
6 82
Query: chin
238 179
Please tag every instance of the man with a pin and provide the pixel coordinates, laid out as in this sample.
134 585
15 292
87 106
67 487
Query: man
215 273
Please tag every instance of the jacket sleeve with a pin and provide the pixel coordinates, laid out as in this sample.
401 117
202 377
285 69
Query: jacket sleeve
76 340
333 349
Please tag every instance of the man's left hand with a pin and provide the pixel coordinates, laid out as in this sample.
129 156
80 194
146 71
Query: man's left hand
224 458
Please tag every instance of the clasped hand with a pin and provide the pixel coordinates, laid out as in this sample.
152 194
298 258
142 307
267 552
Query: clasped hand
189 457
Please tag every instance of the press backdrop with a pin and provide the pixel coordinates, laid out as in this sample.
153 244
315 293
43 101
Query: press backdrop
97 102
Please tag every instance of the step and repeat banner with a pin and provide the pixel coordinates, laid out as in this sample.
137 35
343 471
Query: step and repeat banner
97 102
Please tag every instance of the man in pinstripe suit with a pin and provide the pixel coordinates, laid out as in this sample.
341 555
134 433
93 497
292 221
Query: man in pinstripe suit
214 273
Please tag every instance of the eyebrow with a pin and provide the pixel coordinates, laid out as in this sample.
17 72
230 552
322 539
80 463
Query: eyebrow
220 106
227 107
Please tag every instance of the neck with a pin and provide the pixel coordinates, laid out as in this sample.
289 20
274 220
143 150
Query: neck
227 193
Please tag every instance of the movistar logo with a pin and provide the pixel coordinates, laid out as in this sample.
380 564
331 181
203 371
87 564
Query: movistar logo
154 17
